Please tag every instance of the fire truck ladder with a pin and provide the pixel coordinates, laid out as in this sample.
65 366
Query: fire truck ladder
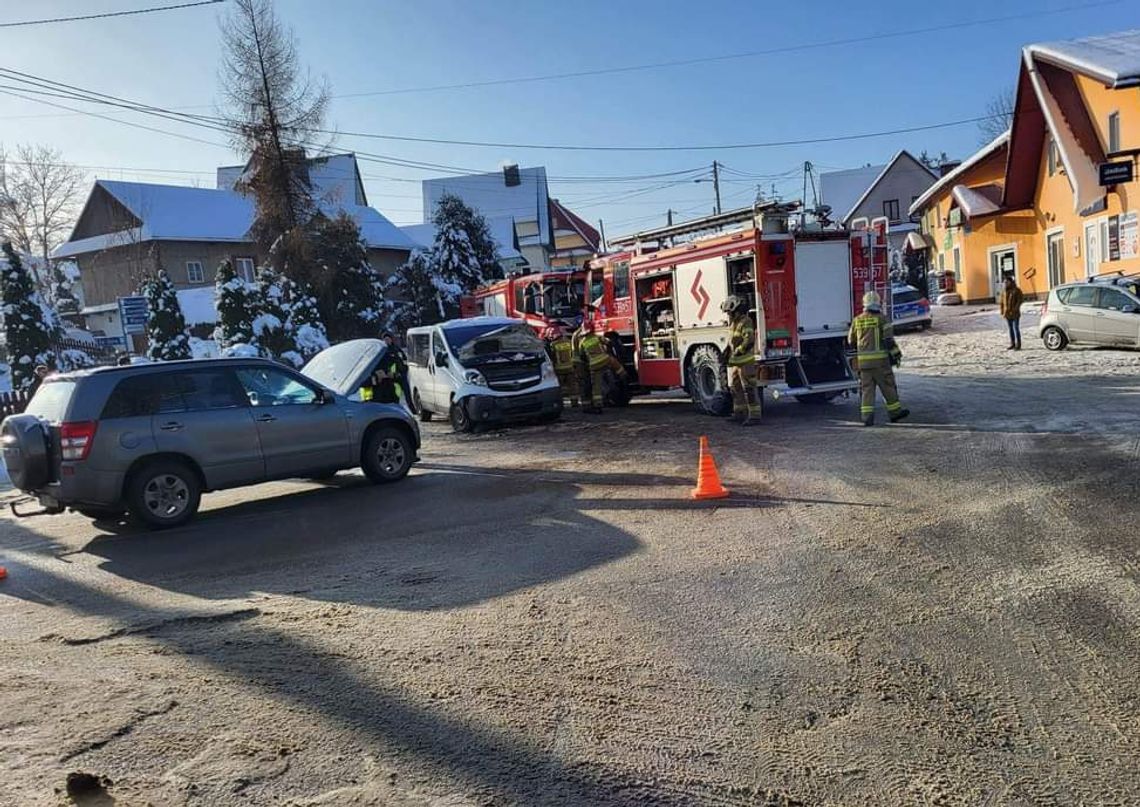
706 225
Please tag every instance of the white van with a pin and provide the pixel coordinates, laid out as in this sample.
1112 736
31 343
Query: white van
481 370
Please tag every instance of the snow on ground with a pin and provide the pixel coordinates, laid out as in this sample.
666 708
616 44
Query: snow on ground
968 340
198 305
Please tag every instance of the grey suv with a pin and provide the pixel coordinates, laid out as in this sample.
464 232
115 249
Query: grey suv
149 439
1102 311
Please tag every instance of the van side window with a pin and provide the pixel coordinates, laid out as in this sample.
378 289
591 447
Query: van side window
418 349
436 343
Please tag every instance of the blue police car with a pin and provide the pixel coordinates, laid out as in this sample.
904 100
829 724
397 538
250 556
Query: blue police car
910 308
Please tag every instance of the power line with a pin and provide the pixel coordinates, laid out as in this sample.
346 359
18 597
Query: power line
601 71
108 14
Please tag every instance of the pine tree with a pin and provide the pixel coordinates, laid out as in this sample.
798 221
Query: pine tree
411 295
303 322
28 333
235 320
451 208
167 339
455 269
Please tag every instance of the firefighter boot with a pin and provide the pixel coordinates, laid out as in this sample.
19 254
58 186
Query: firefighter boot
869 420
899 415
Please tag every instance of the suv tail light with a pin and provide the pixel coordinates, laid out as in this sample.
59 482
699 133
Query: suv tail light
75 440
1045 306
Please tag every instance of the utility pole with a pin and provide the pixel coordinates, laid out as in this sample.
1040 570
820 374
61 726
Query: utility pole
669 217
602 230
716 184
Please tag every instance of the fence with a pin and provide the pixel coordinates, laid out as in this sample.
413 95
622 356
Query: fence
13 403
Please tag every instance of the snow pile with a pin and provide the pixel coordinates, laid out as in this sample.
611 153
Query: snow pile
204 348
241 350
199 306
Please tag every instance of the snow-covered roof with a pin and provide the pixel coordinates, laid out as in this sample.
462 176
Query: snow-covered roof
199 306
490 195
977 201
502 231
951 178
841 189
181 213
1111 58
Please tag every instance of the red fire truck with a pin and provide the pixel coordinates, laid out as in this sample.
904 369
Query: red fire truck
542 299
661 302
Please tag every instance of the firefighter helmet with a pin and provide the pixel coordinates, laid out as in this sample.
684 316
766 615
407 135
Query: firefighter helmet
872 303
731 303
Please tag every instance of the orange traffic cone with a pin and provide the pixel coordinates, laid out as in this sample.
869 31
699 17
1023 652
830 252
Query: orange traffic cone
3 572
708 480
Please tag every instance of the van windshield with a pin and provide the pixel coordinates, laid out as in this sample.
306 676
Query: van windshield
477 341
51 400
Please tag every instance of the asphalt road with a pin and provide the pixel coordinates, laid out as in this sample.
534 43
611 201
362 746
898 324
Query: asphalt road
940 612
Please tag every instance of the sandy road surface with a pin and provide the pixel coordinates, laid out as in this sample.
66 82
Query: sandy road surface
943 612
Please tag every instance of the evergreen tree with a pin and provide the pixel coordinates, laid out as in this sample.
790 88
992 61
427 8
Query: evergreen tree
455 269
167 339
350 291
28 332
411 295
451 208
235 320
303 322
269 331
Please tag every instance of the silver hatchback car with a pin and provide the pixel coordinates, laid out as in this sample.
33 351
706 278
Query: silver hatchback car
151 438
1102 311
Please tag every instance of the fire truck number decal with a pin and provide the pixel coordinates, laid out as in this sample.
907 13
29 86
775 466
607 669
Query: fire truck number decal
699 294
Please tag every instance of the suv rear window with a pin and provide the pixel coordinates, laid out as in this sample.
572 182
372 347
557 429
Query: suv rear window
51 400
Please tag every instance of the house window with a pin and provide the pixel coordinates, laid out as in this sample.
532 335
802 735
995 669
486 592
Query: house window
1051 157
958 264
1114 132
194 273
891 209
244 269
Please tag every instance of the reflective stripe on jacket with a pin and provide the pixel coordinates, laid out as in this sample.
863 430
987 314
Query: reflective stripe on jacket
596 356
872 338
742 346
562 350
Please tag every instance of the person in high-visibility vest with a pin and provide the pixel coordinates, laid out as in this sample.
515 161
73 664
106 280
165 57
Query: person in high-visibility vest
592 350
560 347
873 338
746 405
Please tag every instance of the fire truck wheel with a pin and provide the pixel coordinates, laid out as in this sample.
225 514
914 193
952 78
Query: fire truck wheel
707 378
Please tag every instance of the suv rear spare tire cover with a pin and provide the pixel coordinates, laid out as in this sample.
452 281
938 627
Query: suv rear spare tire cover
25 451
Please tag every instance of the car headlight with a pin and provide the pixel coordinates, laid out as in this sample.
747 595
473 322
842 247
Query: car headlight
474 377
548 373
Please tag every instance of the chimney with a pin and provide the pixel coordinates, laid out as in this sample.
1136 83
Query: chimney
947 167
511 175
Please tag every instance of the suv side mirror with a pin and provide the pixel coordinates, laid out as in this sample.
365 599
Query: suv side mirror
322 398
440 359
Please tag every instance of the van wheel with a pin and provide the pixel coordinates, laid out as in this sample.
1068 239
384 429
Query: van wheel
707 377
387 455
460 420
164 493
1054 338
424 415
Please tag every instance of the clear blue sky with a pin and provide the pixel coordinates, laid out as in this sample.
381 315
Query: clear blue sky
170 59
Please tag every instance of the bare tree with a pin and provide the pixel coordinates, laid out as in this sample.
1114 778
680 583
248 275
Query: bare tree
999 115
40 196
274 110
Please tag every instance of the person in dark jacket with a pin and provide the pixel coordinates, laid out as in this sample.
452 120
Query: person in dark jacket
42 371
395 367
1010 302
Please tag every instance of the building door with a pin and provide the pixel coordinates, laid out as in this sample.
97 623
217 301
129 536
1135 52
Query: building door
1092 249
1055 251
1003 264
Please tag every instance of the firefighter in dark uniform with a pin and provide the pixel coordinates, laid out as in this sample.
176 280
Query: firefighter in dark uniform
746 405
877 354
560 347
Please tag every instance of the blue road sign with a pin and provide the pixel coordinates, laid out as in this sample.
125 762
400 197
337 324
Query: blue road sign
133 312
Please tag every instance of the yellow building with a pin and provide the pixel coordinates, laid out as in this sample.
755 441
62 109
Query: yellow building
1031 203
